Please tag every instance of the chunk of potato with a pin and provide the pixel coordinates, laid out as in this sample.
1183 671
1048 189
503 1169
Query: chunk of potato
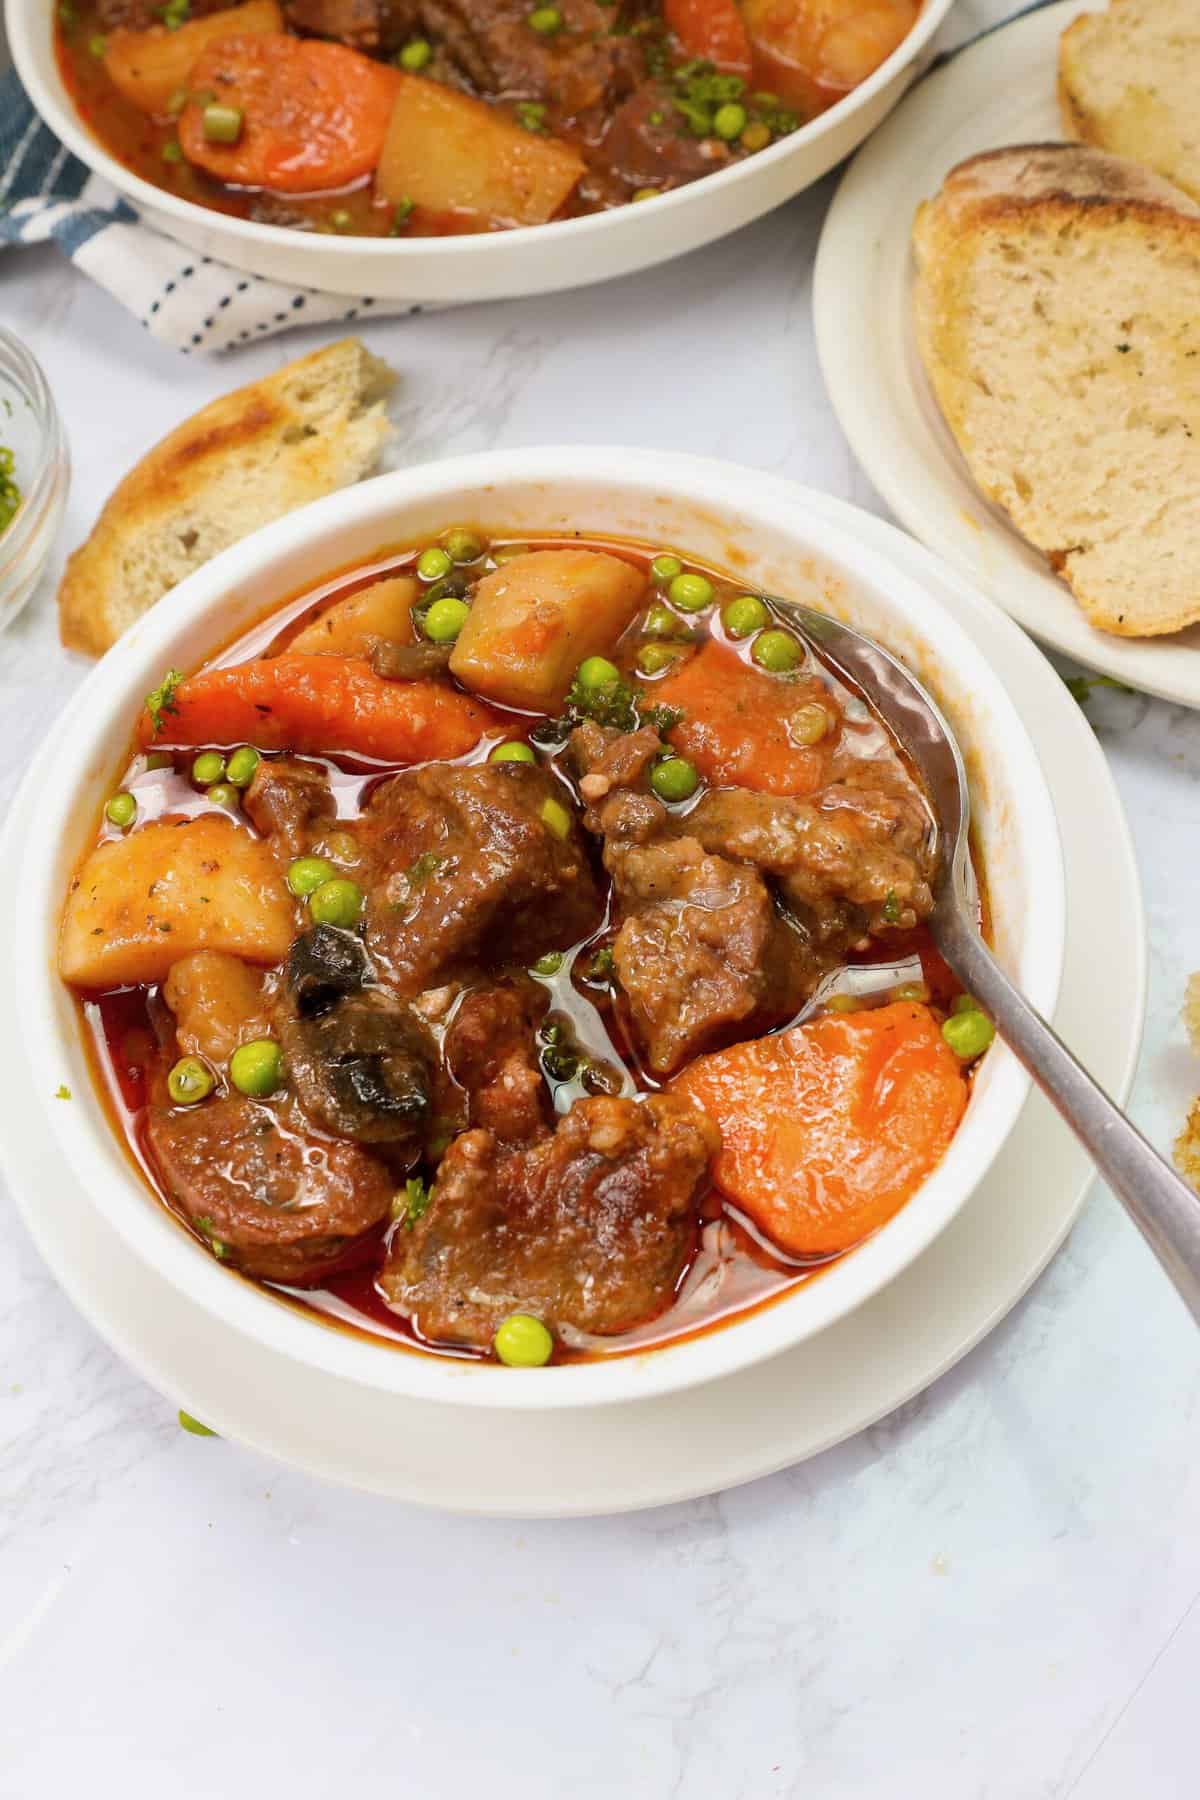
141 902
218 1004
450 153
148 67
533 621
350 626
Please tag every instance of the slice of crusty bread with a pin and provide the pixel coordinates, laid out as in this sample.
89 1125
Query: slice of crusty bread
1058 316
315 425
1129 82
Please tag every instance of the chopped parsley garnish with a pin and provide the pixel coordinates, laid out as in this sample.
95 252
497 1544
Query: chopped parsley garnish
207 1230
162 700
1080 686
601 966
62 1091
426 864
414 1203
531 115
10 493
891 907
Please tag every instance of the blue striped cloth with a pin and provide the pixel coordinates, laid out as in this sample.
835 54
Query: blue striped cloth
190 301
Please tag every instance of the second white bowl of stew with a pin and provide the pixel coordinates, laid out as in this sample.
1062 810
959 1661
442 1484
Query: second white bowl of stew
420 149
433 892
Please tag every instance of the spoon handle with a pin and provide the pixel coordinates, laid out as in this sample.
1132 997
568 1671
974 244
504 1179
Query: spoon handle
1163 1207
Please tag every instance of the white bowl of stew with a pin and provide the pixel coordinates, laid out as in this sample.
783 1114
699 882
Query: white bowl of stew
650 951
475 231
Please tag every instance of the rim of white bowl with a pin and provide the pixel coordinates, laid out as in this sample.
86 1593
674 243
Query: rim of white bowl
24 17
115 687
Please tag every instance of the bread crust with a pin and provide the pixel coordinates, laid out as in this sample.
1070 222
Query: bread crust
314 425
1047 189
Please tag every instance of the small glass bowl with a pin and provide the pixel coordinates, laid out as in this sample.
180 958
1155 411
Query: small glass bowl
31 428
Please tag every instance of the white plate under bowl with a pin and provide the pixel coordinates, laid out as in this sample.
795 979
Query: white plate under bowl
651 1452
999 91
536 259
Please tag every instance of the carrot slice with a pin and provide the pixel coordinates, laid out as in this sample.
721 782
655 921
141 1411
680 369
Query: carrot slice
320 704
711 29
827 1129
737 723
314 115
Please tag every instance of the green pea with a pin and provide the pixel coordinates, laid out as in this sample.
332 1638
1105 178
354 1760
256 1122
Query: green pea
549 964
433 563
121 810
445 619
222 124
776 651
968 1034
661 622
512 752
674 779
690 593
646 193
340 220
912 990
241 766
307 874
556 818
597 672
415 55
194 1425
744 616
545 20
461 546
336 902
654 658
965 1003
223 793
208 767
97 45
189 1081
256 1068
729 121
159 759
756 136
523 1342
666 567
808 724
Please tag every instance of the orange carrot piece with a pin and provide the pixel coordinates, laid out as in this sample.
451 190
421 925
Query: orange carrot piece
736 720
321 704
711 29
314 115
827 1129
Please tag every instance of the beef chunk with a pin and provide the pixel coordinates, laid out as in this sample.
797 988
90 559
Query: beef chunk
323 966
854 845
289 802
465 871
409 662
581 69
702 956
271 1197
363 24
491 1053
588 1229
648 144
363 1069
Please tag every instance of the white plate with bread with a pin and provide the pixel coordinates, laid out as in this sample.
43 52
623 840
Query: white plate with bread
1013 347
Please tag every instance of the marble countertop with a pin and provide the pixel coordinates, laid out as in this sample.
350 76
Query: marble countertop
990 1596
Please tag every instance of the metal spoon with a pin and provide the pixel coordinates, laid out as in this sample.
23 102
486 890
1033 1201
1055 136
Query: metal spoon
1163 1207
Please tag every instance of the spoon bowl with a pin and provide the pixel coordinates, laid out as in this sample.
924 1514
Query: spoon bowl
1162 1205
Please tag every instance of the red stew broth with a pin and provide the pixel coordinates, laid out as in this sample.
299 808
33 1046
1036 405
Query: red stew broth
733 1269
